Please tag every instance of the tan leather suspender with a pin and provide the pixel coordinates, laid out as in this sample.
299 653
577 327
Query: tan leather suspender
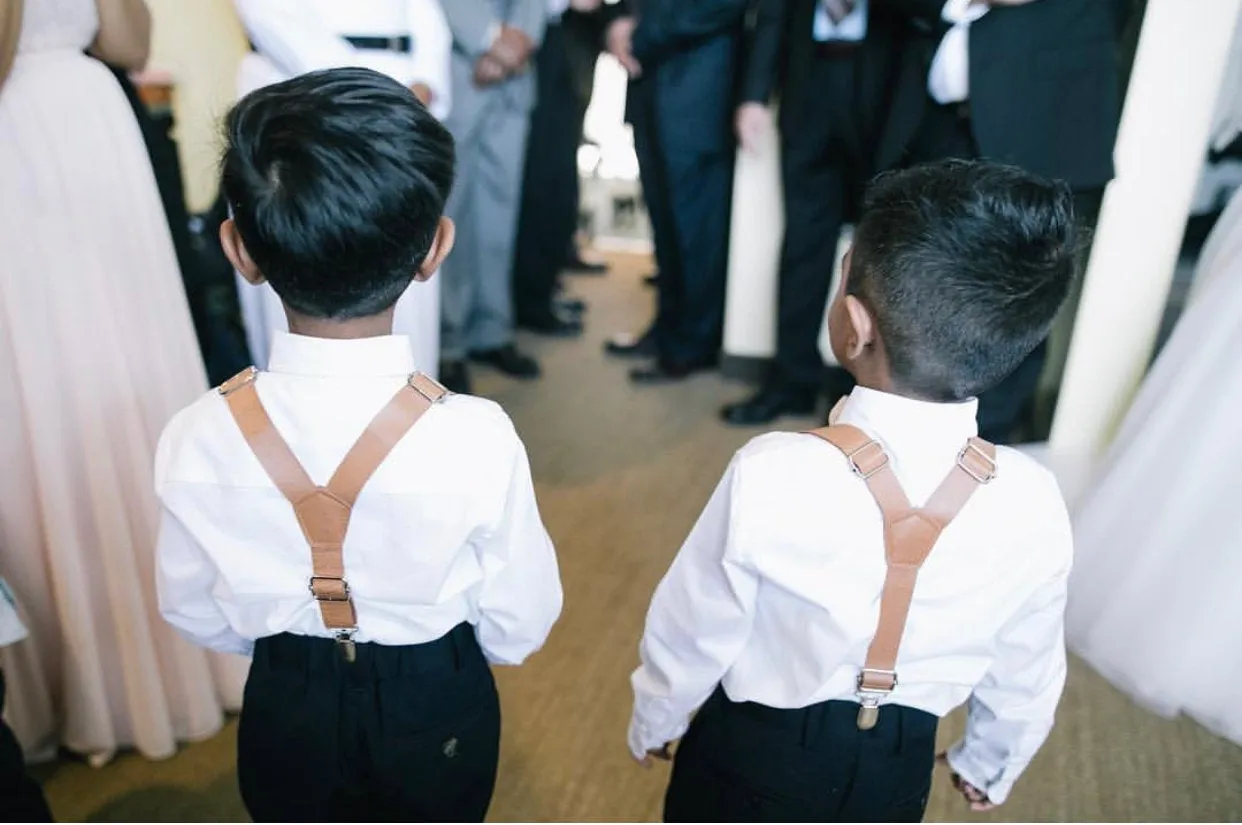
909 535
323 512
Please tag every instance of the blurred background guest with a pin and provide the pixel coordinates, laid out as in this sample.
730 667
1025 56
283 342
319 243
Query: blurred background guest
831 65
683 59
1029 82
494 44
98 352
407 40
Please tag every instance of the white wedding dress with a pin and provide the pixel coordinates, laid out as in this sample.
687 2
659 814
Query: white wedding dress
1156 595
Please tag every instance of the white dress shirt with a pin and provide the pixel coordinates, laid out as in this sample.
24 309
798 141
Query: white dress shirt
298 36
446 531
948 81
851 29
775 594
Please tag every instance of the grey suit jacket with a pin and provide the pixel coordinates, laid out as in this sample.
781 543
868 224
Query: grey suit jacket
472 21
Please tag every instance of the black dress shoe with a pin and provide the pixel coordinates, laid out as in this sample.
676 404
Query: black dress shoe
455 376
625 345
569 306
666 372
769 404
508 360
580 267
552 325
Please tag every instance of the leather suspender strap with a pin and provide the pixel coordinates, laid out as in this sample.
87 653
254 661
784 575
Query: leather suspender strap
323 513
910 533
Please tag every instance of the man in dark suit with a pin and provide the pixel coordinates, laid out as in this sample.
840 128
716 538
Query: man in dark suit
683 57
831 65
1028 82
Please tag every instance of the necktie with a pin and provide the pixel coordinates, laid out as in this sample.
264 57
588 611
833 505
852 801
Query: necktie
838 10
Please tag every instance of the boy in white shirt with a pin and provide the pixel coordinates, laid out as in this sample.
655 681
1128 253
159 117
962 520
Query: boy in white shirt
371 539
782 617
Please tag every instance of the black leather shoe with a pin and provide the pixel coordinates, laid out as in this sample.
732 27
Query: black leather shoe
508 360
455 376
552 325
625 345
667 372
769 404
580 267
569 306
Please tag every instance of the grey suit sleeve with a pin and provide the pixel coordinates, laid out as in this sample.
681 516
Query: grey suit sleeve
531 16
470 21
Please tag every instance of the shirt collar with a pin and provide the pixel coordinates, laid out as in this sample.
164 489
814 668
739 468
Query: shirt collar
905 424
332 357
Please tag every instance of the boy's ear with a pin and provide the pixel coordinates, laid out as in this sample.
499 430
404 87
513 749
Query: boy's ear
441 246
235 250
862 328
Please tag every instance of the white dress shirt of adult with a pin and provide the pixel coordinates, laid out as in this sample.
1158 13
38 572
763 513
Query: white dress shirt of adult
446 531
948 80
292 37
775 593
851 29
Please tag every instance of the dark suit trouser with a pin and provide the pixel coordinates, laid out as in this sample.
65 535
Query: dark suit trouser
21 798
549 212
405 733
945 132
687 186
825 141
745 762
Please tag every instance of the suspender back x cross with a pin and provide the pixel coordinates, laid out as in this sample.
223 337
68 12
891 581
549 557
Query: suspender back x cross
323 512
910 533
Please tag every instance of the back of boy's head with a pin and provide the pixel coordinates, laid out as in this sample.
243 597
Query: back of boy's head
337 182
964 265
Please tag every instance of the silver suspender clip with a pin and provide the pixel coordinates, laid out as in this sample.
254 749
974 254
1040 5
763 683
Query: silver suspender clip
345 641
869 697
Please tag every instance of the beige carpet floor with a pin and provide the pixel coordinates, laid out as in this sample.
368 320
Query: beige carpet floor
621 476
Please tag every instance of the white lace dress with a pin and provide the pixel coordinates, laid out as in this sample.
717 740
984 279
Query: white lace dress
97 351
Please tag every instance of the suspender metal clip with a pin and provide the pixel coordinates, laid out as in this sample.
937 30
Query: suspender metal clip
345 640
873 685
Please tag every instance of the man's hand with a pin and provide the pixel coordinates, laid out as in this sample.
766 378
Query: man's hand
423 92
585 5
619 41
978 800
512 49
662 753
488 71
752 123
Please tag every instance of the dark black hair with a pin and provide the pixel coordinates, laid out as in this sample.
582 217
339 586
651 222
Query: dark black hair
337 180
965 265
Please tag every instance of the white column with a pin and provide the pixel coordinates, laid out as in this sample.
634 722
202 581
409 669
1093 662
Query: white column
1178 67
756 229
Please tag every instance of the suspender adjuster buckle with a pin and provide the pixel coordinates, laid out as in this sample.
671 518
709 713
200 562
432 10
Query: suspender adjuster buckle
868 459
329 589
243 379
976 463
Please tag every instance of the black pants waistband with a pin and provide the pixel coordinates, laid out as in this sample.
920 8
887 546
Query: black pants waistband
827 722
453 651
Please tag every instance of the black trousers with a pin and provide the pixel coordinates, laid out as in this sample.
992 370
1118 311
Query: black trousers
549 212
408 733
826 140
745 762
945 132
21 798
687 189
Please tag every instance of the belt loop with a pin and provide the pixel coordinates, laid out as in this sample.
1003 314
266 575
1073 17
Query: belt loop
459 645
899 728
809 719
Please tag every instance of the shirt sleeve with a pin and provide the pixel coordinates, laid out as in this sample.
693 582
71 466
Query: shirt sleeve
184 578
1012 710
521 594
292 37
699 620
433 44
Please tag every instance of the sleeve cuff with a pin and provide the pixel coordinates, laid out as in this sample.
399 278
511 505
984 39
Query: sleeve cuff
974 771
643 737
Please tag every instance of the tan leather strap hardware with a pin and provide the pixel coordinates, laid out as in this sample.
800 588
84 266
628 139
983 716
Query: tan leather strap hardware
323 513
910 533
